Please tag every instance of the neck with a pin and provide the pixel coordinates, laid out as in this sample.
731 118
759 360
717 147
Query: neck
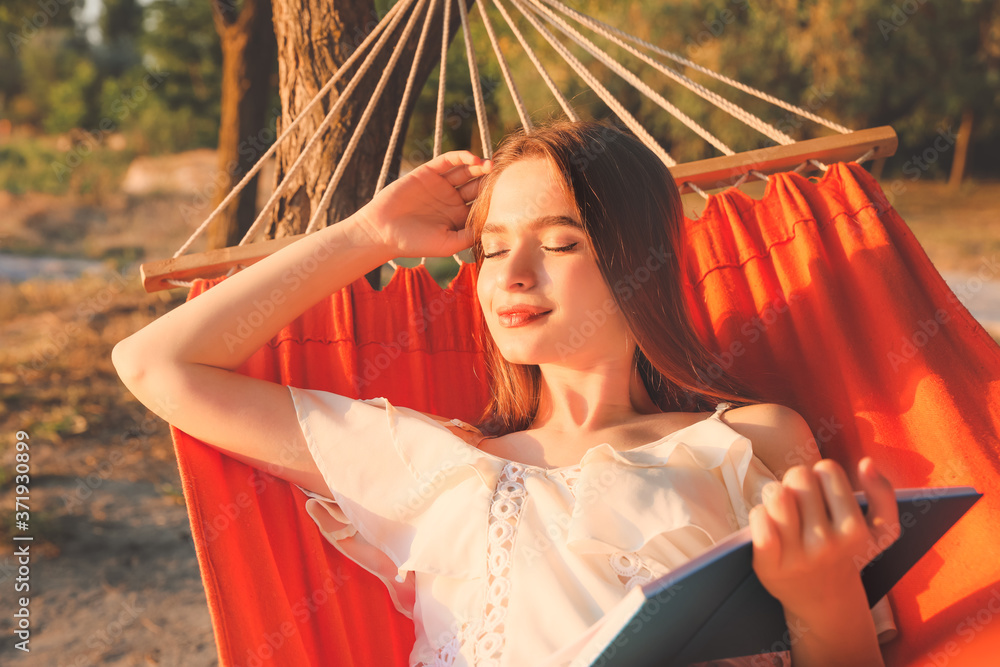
577 401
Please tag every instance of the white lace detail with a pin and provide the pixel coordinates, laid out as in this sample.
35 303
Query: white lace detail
570 476
505 511
630 568
449 650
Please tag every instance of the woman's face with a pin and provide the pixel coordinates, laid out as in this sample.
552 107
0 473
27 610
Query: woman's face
530 259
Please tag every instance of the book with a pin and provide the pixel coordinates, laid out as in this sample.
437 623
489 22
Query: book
714 607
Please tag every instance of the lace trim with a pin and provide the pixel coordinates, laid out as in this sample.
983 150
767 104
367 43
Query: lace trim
632 571
449 650
505 513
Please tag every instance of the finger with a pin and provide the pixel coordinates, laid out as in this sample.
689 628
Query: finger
470 190
782 508
457 167
463 175
883 510
811 504
766 541
845 514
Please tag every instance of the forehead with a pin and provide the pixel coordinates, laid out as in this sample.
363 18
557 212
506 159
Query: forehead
529 192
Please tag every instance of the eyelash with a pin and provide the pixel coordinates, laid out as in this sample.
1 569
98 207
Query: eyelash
562 249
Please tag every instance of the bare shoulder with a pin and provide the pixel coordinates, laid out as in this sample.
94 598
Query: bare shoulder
780 436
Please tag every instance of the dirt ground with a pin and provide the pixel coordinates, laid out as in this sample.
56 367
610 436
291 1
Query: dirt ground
113 576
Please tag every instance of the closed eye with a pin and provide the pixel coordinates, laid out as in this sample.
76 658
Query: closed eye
562 249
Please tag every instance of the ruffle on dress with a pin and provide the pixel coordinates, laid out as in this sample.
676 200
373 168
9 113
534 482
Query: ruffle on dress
668 500
388 509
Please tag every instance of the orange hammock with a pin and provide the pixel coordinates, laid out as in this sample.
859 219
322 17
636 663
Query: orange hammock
818 293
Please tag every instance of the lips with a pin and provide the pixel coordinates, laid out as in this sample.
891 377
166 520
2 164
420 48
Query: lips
515 316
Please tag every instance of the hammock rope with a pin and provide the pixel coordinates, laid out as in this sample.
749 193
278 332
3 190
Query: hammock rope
532 10
636 82
596 86
522 112
358 131
397 128
439 116
553 88
288 130
477 89
732 109
314 140
788 106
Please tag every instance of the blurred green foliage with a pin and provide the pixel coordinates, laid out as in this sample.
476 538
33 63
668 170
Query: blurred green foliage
154 74
38 165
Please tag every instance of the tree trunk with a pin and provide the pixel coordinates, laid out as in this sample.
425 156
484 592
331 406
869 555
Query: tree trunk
314 38
248 52
961 152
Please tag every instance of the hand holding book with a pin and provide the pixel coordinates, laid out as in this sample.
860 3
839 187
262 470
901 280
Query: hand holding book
715 607
810 541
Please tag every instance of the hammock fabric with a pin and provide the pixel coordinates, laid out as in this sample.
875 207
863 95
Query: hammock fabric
818 293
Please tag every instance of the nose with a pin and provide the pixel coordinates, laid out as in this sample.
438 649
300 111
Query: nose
520 269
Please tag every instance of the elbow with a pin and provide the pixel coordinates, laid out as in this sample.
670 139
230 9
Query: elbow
126 363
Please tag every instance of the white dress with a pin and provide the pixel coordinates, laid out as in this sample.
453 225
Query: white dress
505 564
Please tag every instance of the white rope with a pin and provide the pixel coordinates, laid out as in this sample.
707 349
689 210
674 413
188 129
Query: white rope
324 202
189 283
270 151
563 102
819 165
397 127
617 68
355 80
759 175
696 189
720 77
866 156
521 111
732 109
603 92
477 90
439 118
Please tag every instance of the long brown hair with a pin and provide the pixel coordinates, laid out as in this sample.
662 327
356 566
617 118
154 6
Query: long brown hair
630 209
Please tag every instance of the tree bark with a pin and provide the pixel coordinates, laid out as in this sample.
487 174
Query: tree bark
248 53
314 38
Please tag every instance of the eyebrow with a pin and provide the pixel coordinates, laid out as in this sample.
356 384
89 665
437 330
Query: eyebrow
537 223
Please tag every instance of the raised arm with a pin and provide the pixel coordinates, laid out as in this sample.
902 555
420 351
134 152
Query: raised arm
181 366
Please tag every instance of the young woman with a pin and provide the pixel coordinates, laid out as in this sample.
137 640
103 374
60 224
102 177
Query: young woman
594 468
